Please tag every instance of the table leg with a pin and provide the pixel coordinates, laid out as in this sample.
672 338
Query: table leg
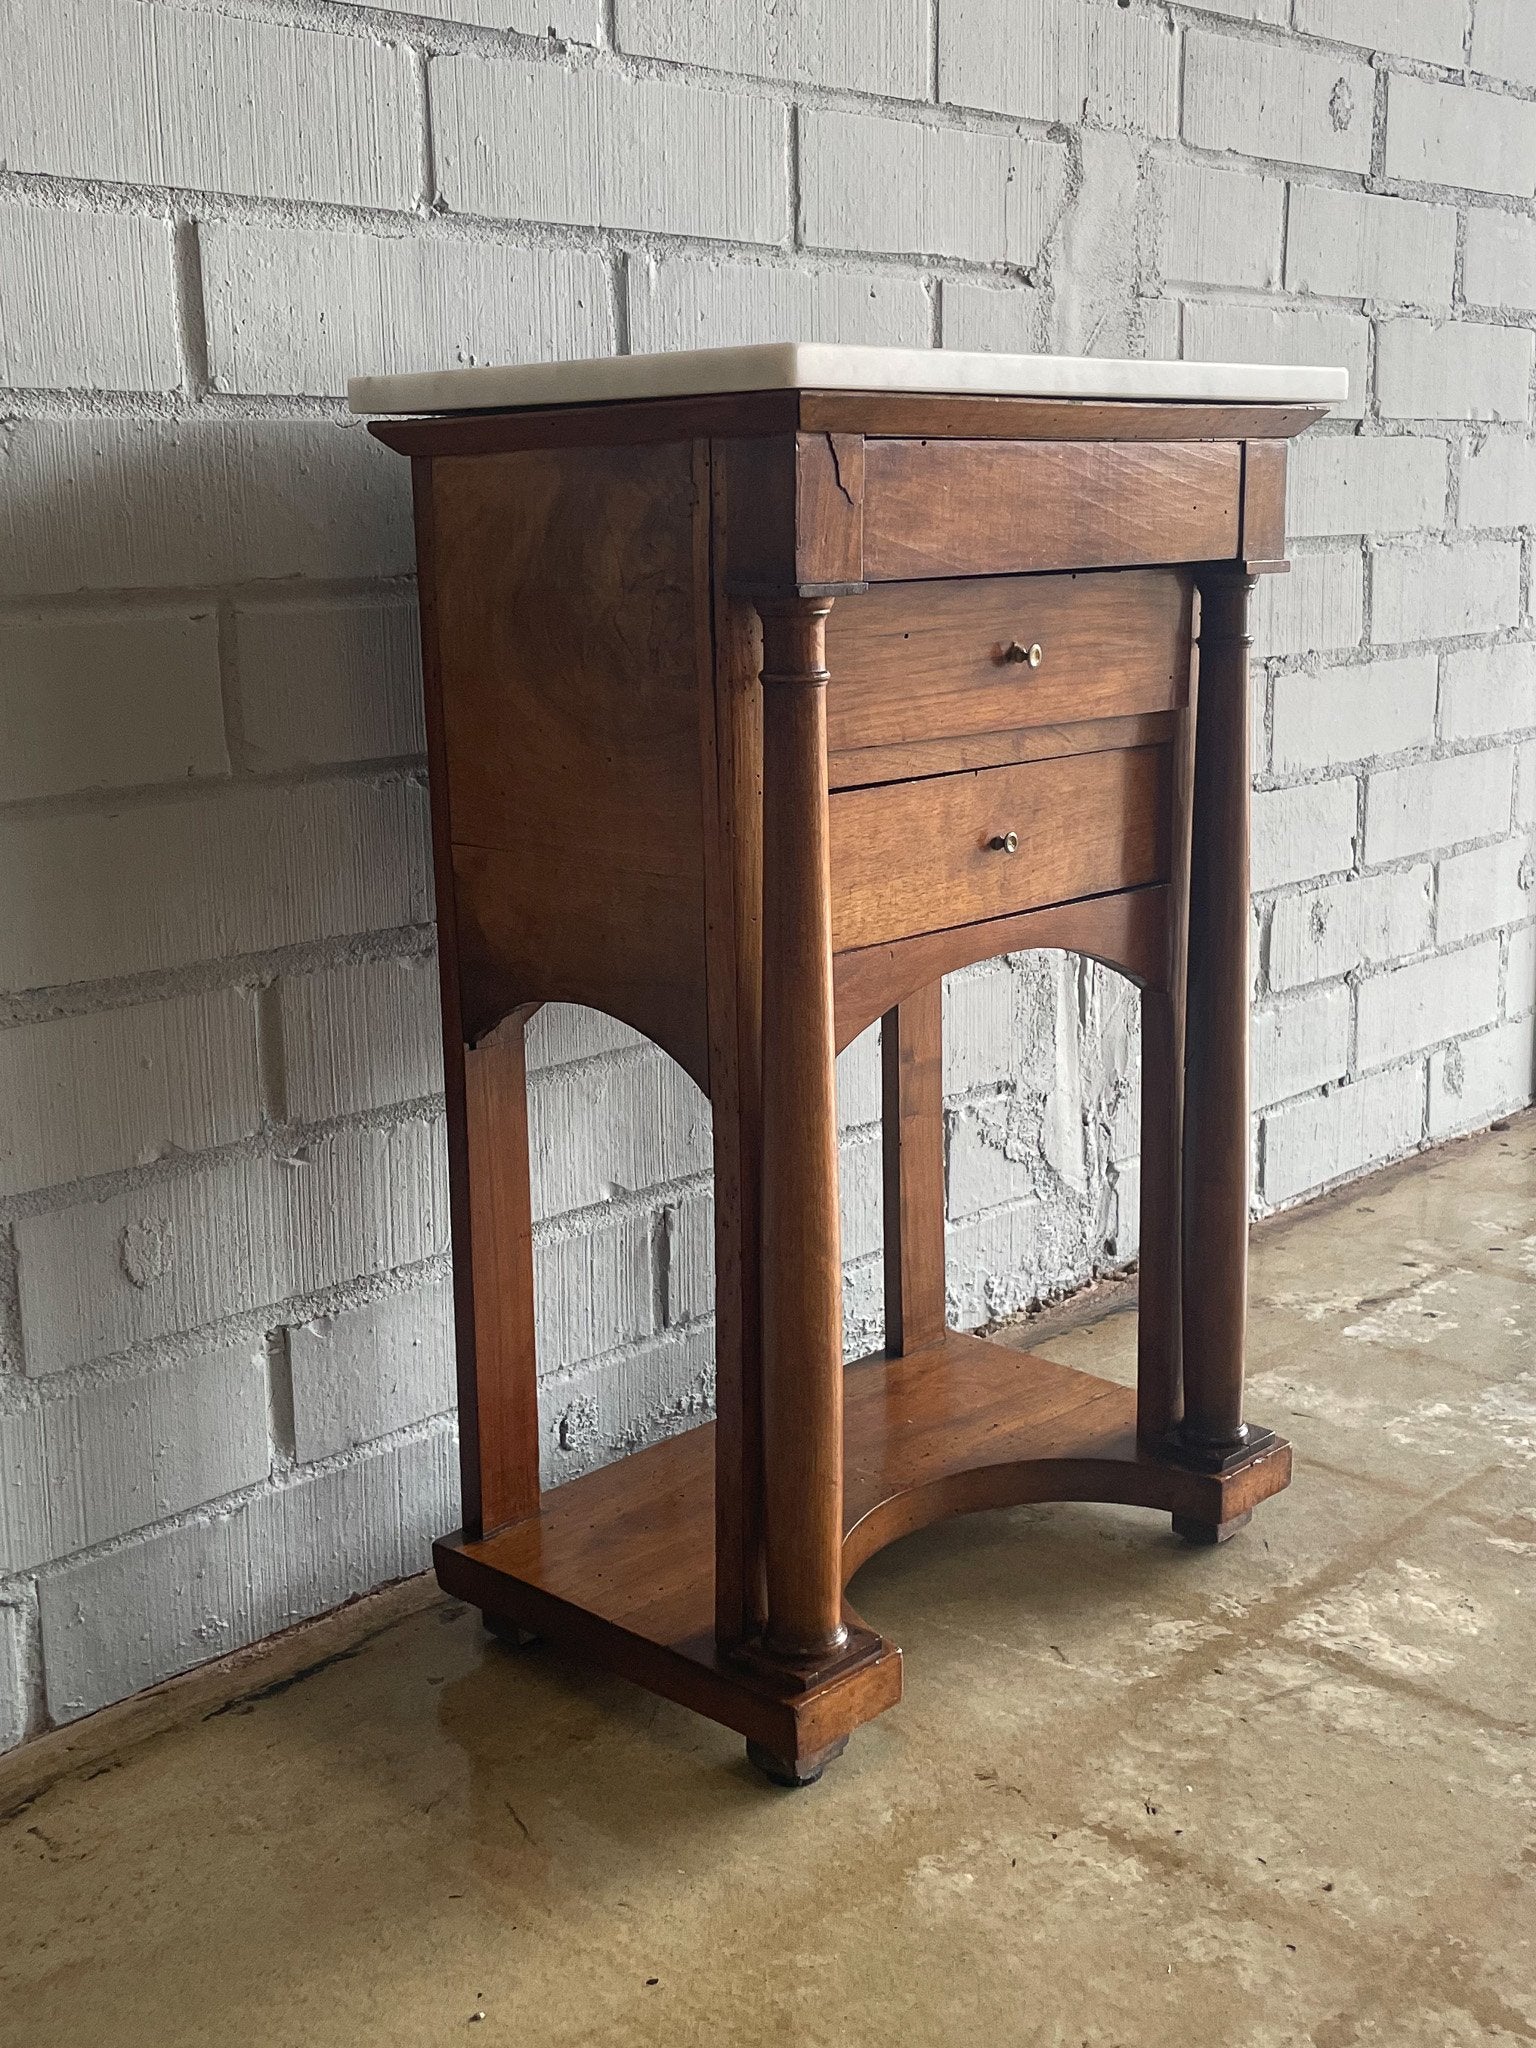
1158 1346
802 1280
1216 1135
806 1640
912 1144
493 1279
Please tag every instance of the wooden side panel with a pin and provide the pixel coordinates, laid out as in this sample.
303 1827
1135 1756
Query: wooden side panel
913 661
988 508
912 857
568 619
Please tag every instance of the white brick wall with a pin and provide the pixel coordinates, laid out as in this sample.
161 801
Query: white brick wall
880 47
579 146
1352 245
109 702
225 1357
1291 103
1430 29
411 303
61 271
1501 259
873 183
1446 135
1062 60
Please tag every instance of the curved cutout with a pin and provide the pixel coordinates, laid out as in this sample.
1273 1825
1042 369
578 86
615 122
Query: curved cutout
1128 931
495 993
1026 1483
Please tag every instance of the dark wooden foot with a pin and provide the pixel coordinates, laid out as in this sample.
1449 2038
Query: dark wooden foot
794 1772
1189 1530
508 1632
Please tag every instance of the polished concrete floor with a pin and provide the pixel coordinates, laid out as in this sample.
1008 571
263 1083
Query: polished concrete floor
1279 1793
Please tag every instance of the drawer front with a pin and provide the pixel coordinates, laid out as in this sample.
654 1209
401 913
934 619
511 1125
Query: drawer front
921 661
910 857
990 508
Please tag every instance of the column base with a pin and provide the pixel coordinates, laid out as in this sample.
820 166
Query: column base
1195 1456
859 1646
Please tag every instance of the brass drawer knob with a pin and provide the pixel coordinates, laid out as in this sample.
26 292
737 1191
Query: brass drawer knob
1034 653
1005 842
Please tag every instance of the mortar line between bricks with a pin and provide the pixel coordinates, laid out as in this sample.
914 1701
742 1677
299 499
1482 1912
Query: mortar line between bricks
100 995
23 1391
1284 36
274 1145
393 771
226 1505
266 593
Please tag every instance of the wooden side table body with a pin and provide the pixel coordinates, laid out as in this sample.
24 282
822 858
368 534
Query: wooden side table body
750 717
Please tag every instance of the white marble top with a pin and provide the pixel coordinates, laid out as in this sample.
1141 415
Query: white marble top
828 366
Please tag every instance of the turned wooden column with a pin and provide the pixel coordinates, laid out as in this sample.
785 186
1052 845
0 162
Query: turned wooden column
1216 1133
802 1279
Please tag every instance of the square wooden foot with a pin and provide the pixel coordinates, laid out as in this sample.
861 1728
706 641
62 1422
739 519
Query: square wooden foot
1190 1529
793 1772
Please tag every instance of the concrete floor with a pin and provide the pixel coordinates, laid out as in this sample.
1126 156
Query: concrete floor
1278 1793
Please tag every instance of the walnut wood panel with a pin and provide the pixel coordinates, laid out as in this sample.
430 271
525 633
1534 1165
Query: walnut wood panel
858 766
525 927
569 631
887 414
793 511
1128 932
978 1425
917 661
969 508
911 857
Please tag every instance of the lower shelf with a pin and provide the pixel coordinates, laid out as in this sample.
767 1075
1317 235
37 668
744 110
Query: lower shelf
619 1566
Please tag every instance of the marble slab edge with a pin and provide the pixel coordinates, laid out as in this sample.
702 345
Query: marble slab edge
825 366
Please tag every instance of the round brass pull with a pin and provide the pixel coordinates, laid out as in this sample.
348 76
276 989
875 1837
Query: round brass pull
1004 842
1034 653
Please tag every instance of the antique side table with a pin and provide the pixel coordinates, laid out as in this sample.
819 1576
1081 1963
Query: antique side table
764 687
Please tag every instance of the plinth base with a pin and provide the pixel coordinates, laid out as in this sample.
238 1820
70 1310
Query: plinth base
618 1567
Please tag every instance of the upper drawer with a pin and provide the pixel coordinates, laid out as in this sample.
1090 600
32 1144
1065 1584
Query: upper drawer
910 857
983 508
920 661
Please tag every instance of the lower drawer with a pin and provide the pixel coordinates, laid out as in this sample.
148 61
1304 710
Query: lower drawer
910 857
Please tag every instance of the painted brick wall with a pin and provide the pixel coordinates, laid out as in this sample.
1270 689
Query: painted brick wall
225 1377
